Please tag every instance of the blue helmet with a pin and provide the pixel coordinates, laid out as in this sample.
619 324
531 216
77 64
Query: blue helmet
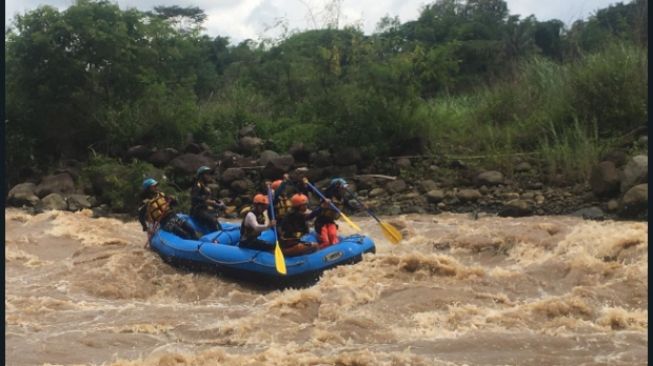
338 182
202 169
149 182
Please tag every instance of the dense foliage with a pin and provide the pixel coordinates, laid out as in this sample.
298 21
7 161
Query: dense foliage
465 74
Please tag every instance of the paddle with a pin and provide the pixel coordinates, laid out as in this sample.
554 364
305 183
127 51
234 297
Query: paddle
389 231
333 207
279 260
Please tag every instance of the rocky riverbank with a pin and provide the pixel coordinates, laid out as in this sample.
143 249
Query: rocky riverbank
616 188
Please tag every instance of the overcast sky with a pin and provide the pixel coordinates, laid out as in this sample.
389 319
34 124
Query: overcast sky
243 19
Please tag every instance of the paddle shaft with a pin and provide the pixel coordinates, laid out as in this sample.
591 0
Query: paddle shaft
317 191
364 206
274 227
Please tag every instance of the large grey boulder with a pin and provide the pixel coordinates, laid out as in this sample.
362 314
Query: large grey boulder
54 201
188 163
58 183
347 156
396 186
427 185
162 157
435 195
232 174
635 201
489 178
321 158
635 172
516 208
242 186
267 156
277 167
300 152
78 202
22 194
468 195
250 145
140 152
604 179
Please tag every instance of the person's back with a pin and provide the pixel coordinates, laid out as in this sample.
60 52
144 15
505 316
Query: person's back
204 209
157 210
254 223
294 226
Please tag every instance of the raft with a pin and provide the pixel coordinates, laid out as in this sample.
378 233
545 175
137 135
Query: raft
219 251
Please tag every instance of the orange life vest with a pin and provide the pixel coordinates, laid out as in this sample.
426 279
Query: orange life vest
157 207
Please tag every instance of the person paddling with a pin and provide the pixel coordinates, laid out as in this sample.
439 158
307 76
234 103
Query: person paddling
204 209
295 225
157 209
254 223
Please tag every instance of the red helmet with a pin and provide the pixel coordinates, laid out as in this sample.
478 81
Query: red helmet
262 199
276 184
298 199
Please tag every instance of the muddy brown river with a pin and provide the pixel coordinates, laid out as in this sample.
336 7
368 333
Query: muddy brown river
457 291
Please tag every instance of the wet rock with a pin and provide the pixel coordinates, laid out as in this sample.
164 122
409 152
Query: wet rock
278 166
490 178
242 186
590 213
377 192
250 145
22 194
394 210
78 202
435 195
515 208
54 201
612 205
267 156
188 163
232 174
102 210
427 185
468 195
58 183
604 179
139 152
347 156
403 163
635 172
396 186
523 167
635 201
321 158
162 157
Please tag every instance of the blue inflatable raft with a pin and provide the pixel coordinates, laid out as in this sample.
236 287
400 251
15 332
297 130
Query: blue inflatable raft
219 251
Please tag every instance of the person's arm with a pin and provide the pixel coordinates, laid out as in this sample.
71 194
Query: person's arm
313 213
250 221
141 216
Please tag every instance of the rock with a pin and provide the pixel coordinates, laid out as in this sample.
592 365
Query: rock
188 163
300 152
242 186
612 205
403 163
604 179
635 172
435 195
346 171
490 178
396 186
162 157
642 141
468 195
394 210
590 213
22 194
535 185
377 192
102 210
539 199
267 156
457 164
78 202
228 159
59 183
315 174
523 167
277 167
515 208
635 201
139 152
232 174
54 201
321 158
224 193
618 157
193 148
347 156
427 185
247 130
442 205
509 196
250 145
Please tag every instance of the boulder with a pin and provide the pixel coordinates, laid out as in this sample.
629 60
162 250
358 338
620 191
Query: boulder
224 193
604 179
267 156
162 157
396 186
58 183
403 163
300 152
228 159
523 167
247 130
241 186
635 201
468 195
232 174
590 213
321 158
54 201
78 202
489 178
427 185
193 148
277 167
618 157
315 174
346 171
612 205
435 196
377 192
635 172
347 156
22 194
188 163
139 152
250 145
515 208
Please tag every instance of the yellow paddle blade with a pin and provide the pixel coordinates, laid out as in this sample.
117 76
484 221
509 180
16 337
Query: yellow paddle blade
391 232
279 261
351 223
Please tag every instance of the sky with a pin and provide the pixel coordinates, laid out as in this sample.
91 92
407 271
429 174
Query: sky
256 19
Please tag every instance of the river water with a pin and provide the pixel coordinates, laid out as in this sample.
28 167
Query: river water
488 291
